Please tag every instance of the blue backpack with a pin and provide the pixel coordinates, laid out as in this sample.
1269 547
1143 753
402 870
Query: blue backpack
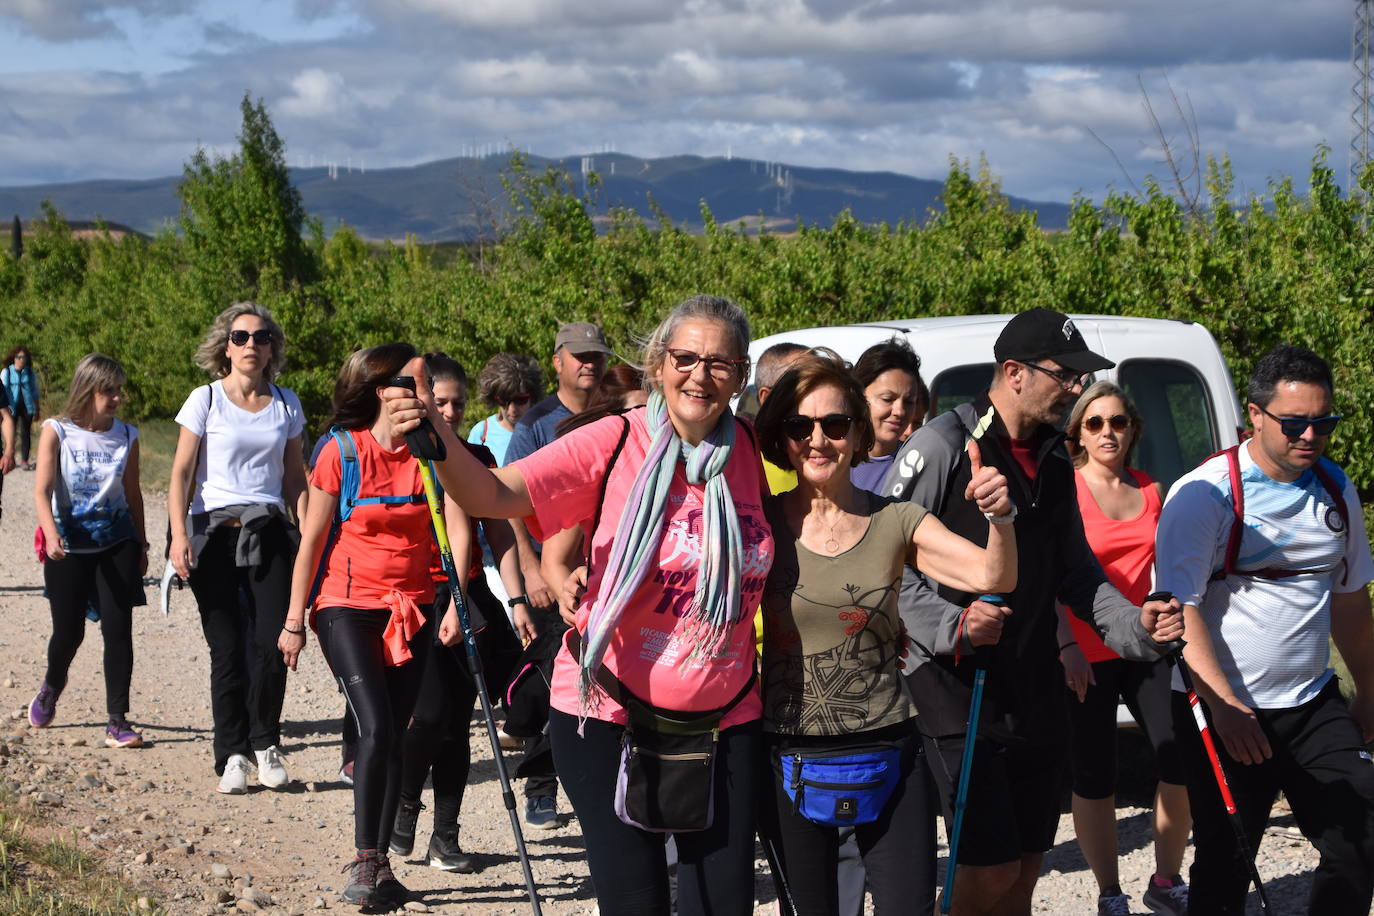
350 482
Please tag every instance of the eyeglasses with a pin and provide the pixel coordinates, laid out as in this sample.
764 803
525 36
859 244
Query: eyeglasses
717 367
1066 379
835 426
1294 427
1117 422
519 399
21 356
262 337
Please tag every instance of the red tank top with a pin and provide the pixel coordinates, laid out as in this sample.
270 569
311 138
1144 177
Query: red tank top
1126 550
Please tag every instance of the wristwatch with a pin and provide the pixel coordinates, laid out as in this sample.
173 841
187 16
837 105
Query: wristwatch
518 599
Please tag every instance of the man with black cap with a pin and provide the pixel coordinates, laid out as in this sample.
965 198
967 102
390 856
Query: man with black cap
579 360
1012 810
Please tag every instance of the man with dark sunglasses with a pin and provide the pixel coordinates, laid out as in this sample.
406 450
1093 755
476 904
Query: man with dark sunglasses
1022 742
1261 617
579 360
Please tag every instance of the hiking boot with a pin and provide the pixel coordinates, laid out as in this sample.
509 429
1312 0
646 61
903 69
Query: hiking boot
1170 899
271 772
346 773
234 780
43 707
541 812
361 889
119 733
390 892
403 830
446 855
1115 905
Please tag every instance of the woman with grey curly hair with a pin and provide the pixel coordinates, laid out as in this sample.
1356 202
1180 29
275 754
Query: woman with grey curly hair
510 382
237 479
669 497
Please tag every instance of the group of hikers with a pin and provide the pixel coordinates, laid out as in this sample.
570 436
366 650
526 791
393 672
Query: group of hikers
820 629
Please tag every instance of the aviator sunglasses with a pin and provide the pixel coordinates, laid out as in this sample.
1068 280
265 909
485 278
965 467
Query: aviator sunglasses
1294 427
1117 422
262 337
835 426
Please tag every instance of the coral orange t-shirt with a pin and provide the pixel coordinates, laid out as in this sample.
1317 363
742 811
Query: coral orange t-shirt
648 651
1126 550
384 549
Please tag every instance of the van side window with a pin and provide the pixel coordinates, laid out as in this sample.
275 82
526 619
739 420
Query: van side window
959 386
1180 428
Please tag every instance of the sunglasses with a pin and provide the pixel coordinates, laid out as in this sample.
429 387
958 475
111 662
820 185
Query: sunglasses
262 337
1117 422
717 367
1066 379
1294 427
518 399
835 426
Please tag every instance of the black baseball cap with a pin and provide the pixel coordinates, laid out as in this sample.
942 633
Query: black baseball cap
1042 333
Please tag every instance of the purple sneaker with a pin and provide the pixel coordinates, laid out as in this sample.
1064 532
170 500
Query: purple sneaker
43 707
119 733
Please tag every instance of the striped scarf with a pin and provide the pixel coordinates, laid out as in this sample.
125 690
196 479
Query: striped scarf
634 551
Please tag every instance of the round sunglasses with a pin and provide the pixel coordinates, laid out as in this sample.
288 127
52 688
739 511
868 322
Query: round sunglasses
1117 422
834 426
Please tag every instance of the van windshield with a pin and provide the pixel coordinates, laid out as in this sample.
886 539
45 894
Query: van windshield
1180 425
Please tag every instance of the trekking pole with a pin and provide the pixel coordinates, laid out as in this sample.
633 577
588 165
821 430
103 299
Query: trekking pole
426 449
787 904
1175 656
975 707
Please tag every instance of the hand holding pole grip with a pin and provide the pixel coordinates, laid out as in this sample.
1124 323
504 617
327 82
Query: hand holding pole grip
1173 651
422 441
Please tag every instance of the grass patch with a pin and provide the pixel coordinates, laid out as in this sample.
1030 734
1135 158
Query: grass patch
157 445
53 876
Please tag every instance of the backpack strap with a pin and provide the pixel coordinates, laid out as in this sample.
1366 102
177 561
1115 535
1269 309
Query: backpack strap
1228 567
483 438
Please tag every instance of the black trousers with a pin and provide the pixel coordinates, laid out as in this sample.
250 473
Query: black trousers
23 431
242 610
897 850
380 698
110 580
1321 765
537 765
715 871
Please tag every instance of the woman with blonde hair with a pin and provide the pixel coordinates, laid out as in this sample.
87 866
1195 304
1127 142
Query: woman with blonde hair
90 511
1120 507
238 476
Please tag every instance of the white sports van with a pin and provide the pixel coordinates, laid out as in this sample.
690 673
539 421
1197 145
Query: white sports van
1173 370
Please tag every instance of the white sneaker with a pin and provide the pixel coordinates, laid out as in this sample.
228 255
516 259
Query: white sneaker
235 778
271 773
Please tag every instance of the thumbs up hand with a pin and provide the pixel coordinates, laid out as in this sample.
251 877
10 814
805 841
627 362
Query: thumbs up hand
987 486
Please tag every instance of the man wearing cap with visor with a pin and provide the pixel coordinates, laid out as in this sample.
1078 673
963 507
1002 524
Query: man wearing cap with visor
1012 810
579 360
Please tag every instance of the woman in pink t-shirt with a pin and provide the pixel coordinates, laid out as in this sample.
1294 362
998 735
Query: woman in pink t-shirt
680 551
1120 507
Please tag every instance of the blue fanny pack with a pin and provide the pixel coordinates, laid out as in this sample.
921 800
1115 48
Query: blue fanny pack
841 787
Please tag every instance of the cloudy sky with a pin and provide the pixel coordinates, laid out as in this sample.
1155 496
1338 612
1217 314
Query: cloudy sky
90 89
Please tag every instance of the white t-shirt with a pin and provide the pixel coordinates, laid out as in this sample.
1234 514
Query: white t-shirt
88 500
1270 635
241 456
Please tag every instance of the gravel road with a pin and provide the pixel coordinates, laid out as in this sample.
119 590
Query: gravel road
154 814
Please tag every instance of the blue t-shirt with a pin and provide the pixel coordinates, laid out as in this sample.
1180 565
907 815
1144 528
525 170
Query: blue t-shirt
536 428
493 435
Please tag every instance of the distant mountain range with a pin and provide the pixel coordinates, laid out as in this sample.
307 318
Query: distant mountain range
458 199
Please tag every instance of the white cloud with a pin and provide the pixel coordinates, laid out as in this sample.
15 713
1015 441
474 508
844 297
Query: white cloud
316 94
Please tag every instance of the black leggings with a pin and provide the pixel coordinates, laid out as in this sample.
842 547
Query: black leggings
109 579
898 849
715 872
242 610
436 743
23 431
380 697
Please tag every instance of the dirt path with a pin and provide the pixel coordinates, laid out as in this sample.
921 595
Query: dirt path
155 814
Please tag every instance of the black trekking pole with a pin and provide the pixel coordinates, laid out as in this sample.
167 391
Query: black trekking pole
1174 654
427 448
